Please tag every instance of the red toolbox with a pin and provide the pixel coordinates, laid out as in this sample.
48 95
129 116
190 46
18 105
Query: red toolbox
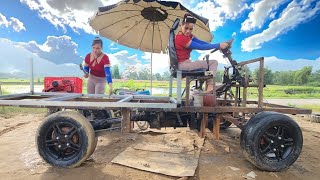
63 84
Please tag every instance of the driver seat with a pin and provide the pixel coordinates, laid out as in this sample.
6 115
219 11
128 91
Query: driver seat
198 74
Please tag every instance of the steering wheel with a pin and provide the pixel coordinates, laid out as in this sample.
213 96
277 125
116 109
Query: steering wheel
226 52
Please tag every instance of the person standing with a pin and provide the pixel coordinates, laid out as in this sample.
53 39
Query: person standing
97 67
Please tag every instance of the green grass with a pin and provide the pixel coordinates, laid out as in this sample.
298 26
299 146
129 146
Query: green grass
36 80
314 107
289 92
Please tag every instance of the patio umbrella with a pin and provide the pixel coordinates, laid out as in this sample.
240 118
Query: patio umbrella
144 24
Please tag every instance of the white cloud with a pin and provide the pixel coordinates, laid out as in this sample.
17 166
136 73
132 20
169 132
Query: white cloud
58 50
4 21
15 23
214 56
293 15
16 59
75 13
218 11
122 57
113 49
72 13
160 62
261 11
277 64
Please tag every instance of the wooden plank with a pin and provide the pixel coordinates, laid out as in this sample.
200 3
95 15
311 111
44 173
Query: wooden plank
244 97
204 123
125 123
127 99
187 90
224 109
216 127
15 95
261 83
249 85
235 121
250 61
63 98
276 105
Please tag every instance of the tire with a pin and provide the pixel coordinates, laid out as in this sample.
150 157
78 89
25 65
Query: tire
271 141
143 125
97 114
94 146
65 139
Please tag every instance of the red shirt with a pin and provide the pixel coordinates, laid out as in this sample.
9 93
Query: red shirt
181 41
97 65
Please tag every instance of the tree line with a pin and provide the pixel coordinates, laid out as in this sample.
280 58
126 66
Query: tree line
145 74
303 76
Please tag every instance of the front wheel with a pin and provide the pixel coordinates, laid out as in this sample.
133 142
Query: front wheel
65 139
271 141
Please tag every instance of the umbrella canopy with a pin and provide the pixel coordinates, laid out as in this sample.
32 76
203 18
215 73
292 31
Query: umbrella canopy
144 24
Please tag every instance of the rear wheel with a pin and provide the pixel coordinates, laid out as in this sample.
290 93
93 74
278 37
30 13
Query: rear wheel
65 139
271 141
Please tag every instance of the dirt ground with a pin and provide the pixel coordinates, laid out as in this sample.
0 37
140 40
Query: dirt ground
218 160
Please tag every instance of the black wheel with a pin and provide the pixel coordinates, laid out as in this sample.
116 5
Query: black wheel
271 141
143 125
65 139
96 114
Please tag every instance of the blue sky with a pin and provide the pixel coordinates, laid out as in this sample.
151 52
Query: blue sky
285 29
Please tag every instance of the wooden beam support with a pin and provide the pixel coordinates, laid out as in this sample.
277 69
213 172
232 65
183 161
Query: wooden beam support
125 123
261 83
250 61
187 91
216 127
203 126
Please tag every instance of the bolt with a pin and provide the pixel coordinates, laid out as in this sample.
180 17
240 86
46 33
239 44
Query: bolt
57 138
65 136
282 145
68 144
59 146
279 137
272 141
274 150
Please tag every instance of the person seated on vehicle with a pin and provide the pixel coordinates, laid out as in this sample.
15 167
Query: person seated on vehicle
97 67
185 42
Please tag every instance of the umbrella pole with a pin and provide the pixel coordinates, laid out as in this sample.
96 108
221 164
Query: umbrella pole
151 76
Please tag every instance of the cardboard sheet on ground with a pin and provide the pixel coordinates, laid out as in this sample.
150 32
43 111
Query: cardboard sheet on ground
173 154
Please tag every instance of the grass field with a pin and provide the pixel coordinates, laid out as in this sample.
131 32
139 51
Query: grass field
290 92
